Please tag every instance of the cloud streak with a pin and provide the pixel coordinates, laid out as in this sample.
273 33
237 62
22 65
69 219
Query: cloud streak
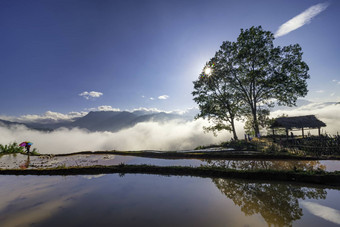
163 97
300 20
320 91
107 108
91 94
47 117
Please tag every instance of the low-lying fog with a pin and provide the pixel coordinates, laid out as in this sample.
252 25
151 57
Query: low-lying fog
172 135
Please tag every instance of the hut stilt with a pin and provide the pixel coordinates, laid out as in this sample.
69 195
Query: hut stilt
303 133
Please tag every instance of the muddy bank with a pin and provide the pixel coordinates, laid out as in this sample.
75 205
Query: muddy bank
203 154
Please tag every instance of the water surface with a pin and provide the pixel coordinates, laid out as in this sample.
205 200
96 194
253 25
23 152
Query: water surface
151 200
23 161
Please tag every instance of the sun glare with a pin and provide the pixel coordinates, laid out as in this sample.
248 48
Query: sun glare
207 71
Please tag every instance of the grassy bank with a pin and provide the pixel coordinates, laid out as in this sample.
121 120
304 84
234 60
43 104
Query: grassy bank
315 177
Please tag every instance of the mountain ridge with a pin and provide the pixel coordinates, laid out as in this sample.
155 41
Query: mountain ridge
112 121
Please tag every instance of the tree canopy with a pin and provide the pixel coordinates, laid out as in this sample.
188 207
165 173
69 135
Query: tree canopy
247 77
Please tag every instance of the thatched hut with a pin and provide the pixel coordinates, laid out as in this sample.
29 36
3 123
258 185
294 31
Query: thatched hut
297 123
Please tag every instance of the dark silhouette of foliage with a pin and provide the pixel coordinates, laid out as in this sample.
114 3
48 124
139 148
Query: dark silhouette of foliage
250 75
216 101
277 203
11 148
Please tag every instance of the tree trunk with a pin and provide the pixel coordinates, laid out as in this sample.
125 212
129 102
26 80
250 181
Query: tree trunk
256 123
234 129
257 129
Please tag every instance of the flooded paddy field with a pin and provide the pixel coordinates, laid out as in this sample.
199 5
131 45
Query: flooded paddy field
19 161
153 200
127 199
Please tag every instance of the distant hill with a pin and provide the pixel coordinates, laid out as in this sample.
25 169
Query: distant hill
299 103
115 121
105 120
37 126
9 123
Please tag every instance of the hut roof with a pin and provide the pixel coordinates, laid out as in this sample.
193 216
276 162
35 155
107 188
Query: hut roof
309 121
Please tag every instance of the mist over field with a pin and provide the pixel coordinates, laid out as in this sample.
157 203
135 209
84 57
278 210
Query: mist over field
171 135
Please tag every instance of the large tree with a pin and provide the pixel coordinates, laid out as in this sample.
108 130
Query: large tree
216 99
258 73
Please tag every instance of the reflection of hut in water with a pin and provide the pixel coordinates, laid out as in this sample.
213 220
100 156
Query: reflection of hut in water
297 123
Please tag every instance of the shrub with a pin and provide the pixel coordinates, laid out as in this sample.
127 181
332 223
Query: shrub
14 148
11 148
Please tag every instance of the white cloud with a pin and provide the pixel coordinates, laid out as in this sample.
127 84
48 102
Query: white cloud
163 97
332 94
320 91
91 94
172 135
107 108
47 117
188 112
334 81
338 82
151 98
324 212
303 18
153 110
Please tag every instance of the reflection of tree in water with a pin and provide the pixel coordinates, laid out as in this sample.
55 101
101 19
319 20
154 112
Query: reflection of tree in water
266 164
277 203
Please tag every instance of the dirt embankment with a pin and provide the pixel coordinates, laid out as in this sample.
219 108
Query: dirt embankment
208 155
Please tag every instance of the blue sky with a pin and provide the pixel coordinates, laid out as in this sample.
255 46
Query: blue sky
133 54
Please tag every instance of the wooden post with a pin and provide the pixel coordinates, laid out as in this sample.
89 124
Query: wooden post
287 133
319 131
303 133
273 132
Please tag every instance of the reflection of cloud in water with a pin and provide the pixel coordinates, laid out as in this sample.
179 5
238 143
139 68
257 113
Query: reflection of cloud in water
90 177
324 212
36 214
31 200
